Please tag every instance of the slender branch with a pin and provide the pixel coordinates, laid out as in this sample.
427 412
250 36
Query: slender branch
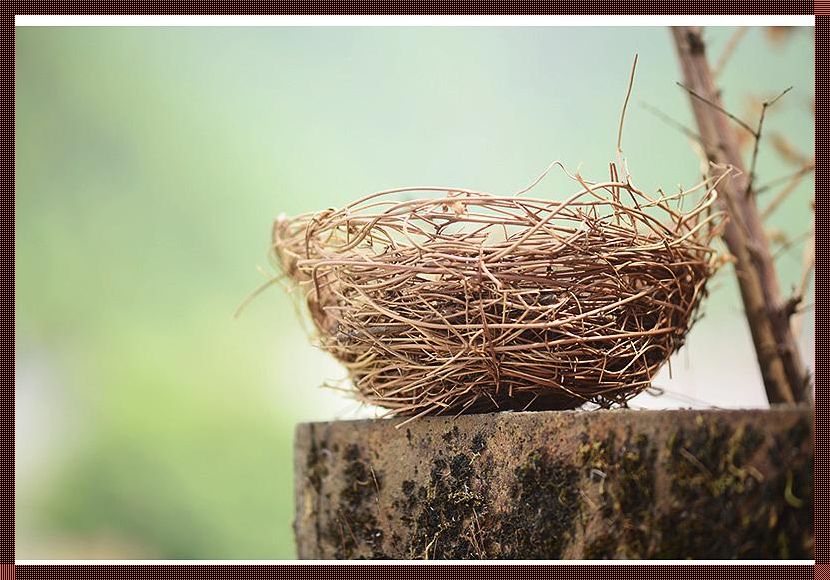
766 105
756 133
743 124
782 369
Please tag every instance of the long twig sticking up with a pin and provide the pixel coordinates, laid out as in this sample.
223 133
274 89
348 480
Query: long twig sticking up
784 374
625 104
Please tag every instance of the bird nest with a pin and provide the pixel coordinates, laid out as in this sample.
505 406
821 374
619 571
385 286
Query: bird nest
459 301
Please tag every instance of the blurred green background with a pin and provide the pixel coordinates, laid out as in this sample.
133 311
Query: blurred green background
150 163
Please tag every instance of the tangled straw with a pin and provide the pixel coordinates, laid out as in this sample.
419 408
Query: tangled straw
462 301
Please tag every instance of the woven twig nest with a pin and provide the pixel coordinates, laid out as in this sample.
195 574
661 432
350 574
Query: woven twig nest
460 301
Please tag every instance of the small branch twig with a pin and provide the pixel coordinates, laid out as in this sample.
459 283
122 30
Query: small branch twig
756 133
764 106
740 122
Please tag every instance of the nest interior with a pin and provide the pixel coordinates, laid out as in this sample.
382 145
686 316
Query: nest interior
455 301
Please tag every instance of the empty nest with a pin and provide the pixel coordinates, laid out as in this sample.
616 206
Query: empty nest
458 301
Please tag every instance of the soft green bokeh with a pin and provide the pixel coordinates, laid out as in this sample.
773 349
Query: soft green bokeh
150 164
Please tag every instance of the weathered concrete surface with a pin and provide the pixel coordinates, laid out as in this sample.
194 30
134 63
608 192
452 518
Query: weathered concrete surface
592 485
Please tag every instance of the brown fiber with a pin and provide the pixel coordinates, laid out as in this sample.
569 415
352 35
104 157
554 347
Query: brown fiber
460 301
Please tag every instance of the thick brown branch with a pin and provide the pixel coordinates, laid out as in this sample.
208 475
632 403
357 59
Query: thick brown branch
781 366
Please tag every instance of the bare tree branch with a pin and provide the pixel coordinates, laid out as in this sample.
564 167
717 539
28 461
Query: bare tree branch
782 368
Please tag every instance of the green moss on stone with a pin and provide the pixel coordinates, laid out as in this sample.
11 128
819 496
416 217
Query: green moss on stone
547 506
625 478
721 505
